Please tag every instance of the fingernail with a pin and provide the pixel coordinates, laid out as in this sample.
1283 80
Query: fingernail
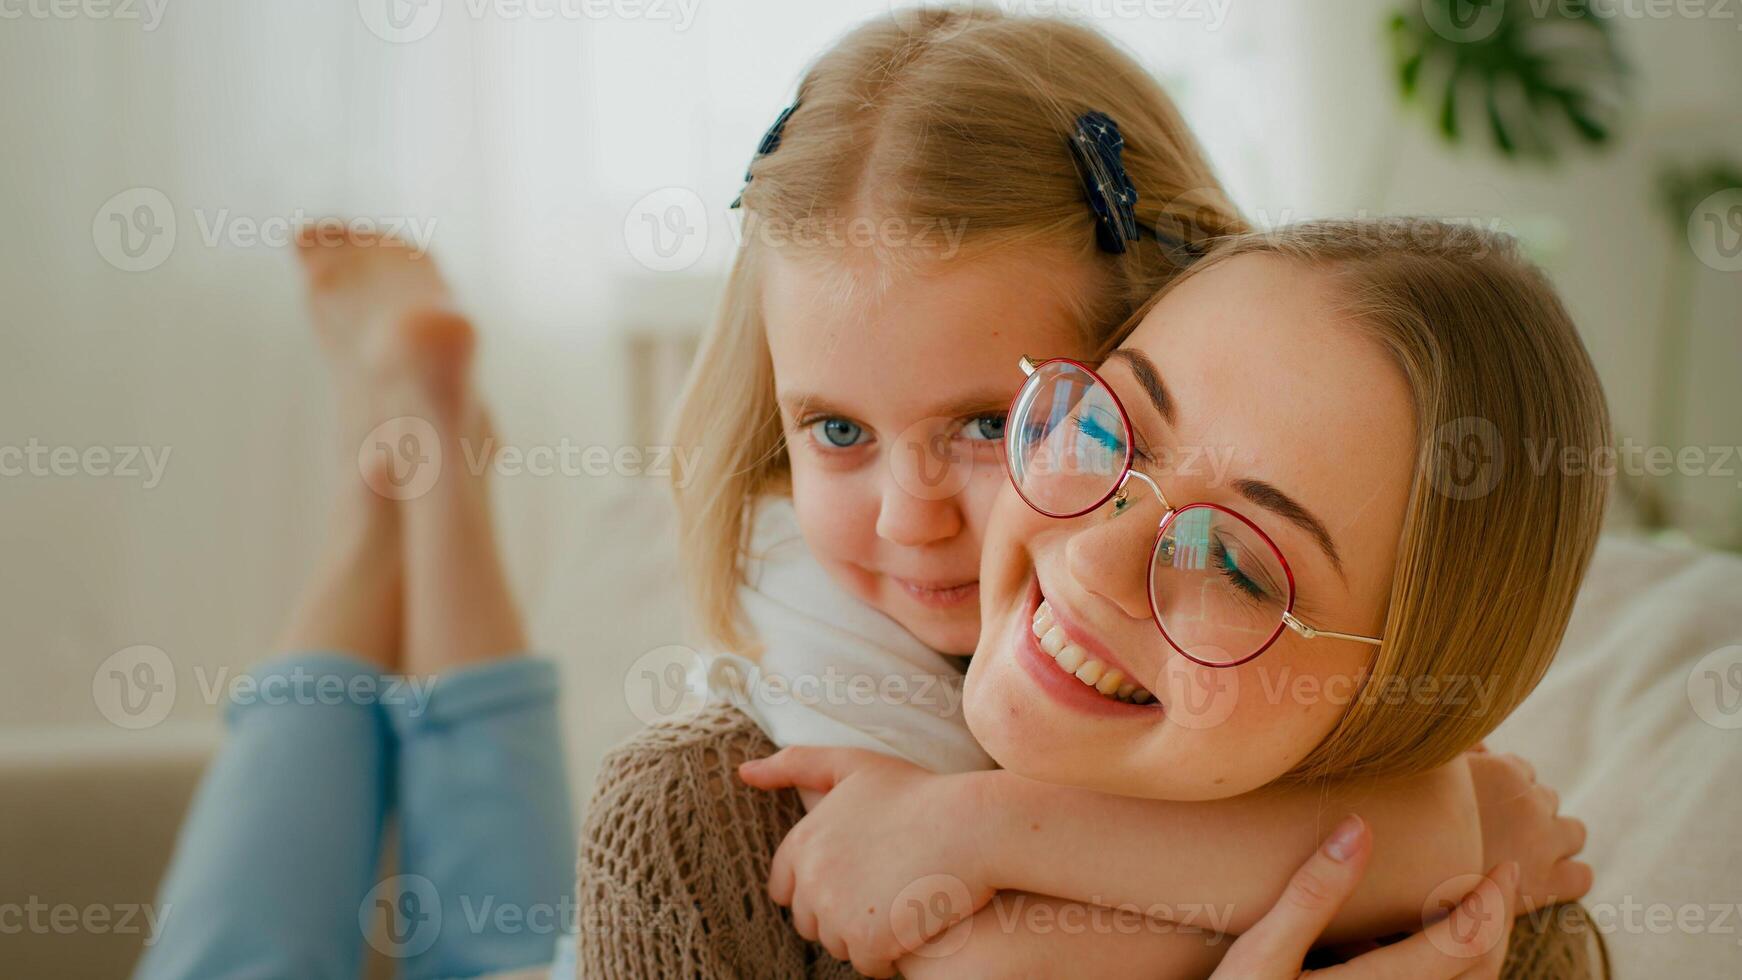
1340 846
1508 876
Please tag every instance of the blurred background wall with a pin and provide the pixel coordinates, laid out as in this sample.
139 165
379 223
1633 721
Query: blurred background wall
570 165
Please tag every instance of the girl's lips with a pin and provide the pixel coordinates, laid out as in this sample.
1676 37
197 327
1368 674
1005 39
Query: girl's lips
1066 690
939 594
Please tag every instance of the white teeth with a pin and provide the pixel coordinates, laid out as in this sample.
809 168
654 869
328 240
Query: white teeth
1109 683
1070 658
1074 660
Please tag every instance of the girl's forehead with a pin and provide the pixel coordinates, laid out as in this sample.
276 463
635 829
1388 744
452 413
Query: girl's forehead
958 327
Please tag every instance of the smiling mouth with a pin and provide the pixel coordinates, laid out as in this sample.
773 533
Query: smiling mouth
1071 659
939 594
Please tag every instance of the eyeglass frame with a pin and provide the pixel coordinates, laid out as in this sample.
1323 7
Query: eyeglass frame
1117 493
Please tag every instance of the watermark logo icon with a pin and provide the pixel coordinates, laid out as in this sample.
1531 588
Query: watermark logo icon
134 231
134 687
402 916
1715 230
926 908
1715 688
929 462
913 16
667 230
401 458
400 21
1478 930
1466 458
657 685
1198 697
1464 21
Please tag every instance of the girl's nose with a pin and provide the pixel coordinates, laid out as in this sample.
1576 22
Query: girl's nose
1109 556
912 519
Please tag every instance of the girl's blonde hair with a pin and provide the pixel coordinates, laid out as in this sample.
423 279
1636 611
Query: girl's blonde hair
1504 507
955 119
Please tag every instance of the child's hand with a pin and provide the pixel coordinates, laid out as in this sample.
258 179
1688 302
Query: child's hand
1520 823
887 859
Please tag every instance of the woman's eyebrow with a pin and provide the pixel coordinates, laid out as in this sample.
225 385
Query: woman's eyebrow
1143 369
1263 494
1271 498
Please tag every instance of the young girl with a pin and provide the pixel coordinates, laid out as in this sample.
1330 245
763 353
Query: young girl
842 376
1336 358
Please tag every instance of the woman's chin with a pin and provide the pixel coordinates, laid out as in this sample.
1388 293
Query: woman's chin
1045 731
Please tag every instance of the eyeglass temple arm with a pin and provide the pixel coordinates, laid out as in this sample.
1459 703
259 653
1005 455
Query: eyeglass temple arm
1309 632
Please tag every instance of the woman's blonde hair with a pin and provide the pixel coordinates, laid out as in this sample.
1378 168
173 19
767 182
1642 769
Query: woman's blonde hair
955 119
1504 507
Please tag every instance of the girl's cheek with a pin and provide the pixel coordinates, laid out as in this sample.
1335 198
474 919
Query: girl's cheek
837 511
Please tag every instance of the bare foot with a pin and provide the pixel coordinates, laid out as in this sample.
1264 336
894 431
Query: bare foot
359 281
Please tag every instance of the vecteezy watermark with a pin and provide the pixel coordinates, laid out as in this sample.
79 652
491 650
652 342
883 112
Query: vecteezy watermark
931 236
136 687
1632 917
667 229
675 680
929 917
401 916
1481 926
1475 21
1715 230
1466 458
402 458
405 21
1634 459
38 461
913 14
136 230
404 915
36 917
148 13
1715 688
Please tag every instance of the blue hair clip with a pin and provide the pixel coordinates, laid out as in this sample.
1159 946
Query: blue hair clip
770 142
1099 148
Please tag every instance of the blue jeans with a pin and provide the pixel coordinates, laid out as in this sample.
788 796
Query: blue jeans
276 869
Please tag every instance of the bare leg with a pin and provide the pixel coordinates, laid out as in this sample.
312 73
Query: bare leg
386 319
459 607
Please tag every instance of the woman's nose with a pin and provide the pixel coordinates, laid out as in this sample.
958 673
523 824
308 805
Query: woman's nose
1109 556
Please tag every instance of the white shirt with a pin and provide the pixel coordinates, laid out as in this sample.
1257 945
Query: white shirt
834 671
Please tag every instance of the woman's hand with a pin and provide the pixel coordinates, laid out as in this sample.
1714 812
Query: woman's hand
1521 823
1468 943
884 862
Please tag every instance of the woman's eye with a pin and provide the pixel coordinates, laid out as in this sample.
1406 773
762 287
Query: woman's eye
836 432
985 428
1095 428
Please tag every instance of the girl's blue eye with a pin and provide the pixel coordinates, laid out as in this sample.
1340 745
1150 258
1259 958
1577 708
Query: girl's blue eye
986 428
837 432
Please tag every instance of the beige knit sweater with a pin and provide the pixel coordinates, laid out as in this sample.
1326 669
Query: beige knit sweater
674 860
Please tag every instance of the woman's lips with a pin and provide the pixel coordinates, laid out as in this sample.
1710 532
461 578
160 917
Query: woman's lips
941 595
1065 687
